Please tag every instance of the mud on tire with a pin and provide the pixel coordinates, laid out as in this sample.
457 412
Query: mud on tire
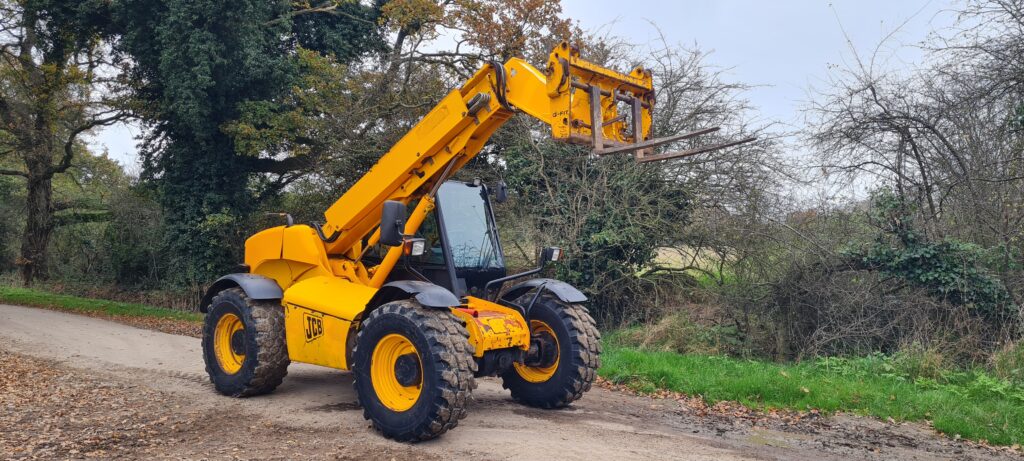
446 364
265 361
579 350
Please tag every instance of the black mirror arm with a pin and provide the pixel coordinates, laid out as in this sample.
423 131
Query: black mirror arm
412 270
533 301
502 280
524 310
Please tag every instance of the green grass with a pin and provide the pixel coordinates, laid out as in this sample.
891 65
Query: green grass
970 404
30 297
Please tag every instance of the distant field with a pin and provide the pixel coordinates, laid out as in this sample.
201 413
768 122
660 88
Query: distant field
684 257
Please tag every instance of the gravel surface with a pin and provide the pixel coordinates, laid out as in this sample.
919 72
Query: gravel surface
81 387
52 412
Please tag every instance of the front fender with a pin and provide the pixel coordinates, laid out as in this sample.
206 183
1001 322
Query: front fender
426 293
254 286
563 291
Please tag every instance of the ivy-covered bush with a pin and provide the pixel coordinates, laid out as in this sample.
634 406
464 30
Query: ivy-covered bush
10 224
948 269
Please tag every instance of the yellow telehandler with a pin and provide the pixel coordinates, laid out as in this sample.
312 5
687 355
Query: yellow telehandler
416 334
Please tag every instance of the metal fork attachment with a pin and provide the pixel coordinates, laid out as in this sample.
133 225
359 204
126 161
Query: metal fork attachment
610 111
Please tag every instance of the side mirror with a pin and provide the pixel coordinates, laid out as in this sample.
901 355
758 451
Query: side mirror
392 223
501 193
550 255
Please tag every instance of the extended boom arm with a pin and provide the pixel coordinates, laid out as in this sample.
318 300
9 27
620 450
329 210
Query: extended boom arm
570 95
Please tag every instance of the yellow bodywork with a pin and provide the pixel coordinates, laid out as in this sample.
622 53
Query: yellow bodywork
492 326
326 284
319 313
315 337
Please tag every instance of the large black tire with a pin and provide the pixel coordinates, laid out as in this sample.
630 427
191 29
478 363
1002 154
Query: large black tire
446 368
265 361
579 356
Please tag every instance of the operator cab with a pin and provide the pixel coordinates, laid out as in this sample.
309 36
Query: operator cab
463 252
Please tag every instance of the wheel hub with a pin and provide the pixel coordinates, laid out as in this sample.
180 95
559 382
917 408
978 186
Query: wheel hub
407 370
238 342
543 350
542 360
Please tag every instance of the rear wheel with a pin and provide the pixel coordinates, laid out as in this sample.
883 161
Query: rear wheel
413 370
244 345
566 360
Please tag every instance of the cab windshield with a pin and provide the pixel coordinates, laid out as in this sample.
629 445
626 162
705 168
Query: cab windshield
470 234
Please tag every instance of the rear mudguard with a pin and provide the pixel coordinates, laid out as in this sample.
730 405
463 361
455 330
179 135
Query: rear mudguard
256 287
563 291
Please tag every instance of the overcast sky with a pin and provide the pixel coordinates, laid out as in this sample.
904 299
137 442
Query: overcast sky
782 46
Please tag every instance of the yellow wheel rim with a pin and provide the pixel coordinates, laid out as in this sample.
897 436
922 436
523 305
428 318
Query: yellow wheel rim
230 358
385 378
540 374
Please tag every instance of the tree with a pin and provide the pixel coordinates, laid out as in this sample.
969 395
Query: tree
9 206
347 114
501 30
943 137
95 183
198 65
53 88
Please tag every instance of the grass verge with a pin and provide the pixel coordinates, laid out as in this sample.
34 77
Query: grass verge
972 404
30 297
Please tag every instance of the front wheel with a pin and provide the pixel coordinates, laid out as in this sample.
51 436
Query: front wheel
413 370
566 360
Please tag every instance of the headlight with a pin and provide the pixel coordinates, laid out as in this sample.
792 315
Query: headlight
550 254
418 248
414 246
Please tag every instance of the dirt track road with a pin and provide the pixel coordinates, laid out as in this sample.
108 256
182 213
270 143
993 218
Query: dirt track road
315 410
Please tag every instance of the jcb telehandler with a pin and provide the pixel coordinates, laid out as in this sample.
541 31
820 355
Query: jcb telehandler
417 304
